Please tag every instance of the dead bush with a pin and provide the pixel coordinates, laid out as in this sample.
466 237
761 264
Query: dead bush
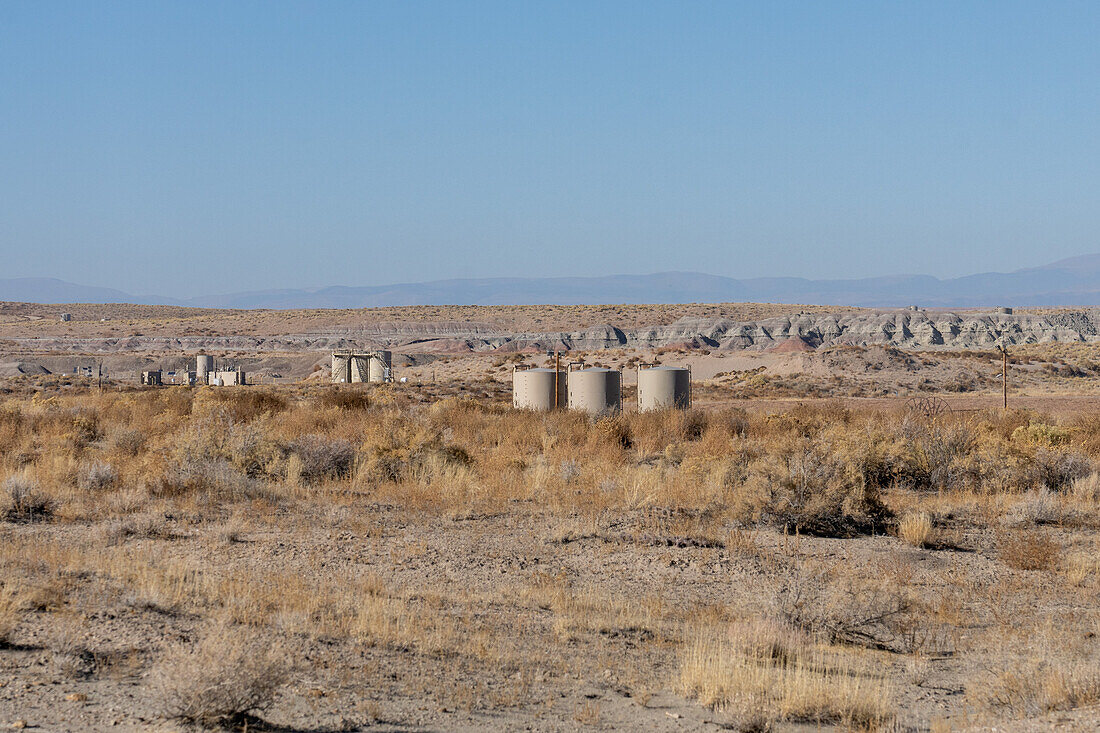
228 674
691 424
244 406
24 501
1057 470
812 490
616 429
345 399
1028 550
408 448
215 479
250 448
840 608
97 477
323 457
85 431
932 452
129 442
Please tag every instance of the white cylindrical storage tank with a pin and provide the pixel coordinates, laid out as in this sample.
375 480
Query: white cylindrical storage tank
533 389
204 364
596 390
340 368
379 367
662 387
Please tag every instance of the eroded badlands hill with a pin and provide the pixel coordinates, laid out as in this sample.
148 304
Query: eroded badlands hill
911 329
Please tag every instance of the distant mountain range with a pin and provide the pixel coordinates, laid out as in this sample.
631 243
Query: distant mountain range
1074 281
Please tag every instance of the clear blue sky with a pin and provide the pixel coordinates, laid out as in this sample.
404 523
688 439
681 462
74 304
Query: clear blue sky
189 148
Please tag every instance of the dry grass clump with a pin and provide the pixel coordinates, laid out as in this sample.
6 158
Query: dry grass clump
11 614
74 659
1037 686
1086 488
147 525
1079 567
228 674
915 528
129 442
406 451
758 674
232 530
1039 507
587 610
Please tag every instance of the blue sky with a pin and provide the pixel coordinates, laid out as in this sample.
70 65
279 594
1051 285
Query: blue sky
191 148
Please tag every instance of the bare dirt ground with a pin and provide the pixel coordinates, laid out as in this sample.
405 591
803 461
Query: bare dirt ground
510 656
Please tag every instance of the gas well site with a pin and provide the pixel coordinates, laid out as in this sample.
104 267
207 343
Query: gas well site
705 517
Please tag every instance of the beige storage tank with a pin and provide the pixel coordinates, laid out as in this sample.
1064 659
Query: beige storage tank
662 387
341 372
380 366
204 364
533 389
596 390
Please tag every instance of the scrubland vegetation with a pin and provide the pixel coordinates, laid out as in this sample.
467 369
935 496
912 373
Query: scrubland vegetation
347 556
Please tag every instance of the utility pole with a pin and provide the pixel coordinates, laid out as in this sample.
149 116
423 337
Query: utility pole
1004 374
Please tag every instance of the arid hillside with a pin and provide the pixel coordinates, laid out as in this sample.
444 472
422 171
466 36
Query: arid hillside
32 319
